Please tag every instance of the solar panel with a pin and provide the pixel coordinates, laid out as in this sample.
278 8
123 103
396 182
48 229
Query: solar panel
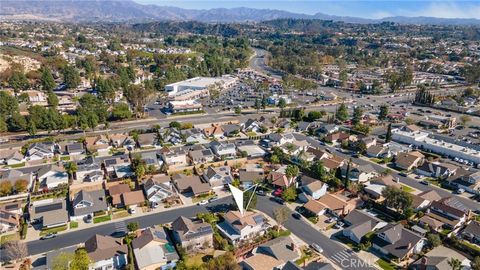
11 206
48 207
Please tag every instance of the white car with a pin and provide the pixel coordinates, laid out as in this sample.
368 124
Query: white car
317 248
202 202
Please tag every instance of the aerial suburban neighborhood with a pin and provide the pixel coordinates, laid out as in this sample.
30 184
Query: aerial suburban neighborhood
244 138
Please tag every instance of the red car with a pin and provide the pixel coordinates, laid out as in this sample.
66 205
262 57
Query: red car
278 192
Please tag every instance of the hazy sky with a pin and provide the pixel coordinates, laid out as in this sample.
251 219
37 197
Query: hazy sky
358 8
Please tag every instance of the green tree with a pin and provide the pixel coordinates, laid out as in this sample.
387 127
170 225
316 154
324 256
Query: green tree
319 170
282 103
5 188
132 226
289 194
175 124
62 261
71 168
8 104
383 112
388 136
138 96
121 111
274 159
238 110
71 77
80 261
396 198
342 112
16 122
291 171
208 217
434 239
475 263
357 115
52 99
47 81
18 81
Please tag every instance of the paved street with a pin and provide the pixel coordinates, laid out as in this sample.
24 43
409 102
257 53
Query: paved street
331 249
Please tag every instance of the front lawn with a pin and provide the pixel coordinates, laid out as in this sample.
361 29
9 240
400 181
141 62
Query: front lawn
19 165
195 261
407 189
53 230
202 197
101 219
386 265
9 237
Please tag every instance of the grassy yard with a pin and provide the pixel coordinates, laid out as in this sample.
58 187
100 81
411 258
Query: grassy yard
102 219
53 230
73 224
19 165
65 158
196 260
120 214
407 189
433 181
202 197
9 237
386 265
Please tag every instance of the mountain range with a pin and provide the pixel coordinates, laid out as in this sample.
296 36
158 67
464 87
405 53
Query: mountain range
130 11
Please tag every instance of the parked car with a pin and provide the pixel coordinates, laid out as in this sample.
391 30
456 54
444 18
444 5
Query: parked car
202 202
278 200
296 215
214 198
317 248
132 210
425 182
260 192
339 225
88 218
331 220
48 236
460 191
403 174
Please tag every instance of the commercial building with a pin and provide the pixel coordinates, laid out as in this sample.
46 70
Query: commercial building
199 84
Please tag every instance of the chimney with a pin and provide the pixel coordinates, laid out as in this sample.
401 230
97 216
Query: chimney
409 245
292 246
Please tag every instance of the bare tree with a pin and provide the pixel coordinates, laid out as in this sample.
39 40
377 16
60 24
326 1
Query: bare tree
280 214
15 250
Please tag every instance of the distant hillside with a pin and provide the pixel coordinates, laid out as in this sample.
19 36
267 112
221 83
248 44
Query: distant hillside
127 10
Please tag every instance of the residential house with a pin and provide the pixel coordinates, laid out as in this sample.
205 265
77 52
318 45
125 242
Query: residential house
408 161
466 180
106 252
158 188
174 158
358 173
8 221
377 184
98 144
278 139
122 140
170 135
154 250
359 224
327 129
438 259
315 189
231 130
436 169
89 170
315 208
279 178
13 175
471 232
378 151
307 126
451 212
11 157
41 150
273 254
118 163
50 212
237 228
251 125
249 149
87 202
74 149
190 184
147 140
52 176
224 150
218 177
150 159
214 131
248 178
194 135
192 234
339 205
201 156
368 141
340 137
122 196
398 242
424 199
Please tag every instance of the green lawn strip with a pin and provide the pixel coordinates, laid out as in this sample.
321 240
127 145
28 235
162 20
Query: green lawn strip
407 189
53 230
19 165
73 224
9 237
386 265
202 197
102 219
